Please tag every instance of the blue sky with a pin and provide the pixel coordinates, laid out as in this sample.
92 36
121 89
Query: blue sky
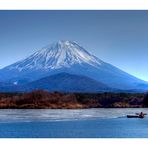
117 37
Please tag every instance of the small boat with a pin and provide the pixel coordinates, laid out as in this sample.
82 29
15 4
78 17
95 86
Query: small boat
137 115
134 116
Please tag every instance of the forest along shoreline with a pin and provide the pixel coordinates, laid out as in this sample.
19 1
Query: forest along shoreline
40 99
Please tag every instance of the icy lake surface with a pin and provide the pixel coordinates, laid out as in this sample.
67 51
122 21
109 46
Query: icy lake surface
26 115
79 123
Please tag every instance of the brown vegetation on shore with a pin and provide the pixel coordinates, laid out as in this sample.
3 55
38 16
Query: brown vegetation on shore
42 100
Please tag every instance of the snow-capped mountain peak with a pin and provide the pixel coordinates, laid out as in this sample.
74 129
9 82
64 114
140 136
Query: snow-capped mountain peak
57 55
69 57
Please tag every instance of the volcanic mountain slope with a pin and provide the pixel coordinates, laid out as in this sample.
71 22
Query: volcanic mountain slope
57 57
69 57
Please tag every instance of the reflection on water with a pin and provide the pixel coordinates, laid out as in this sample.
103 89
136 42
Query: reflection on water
26 115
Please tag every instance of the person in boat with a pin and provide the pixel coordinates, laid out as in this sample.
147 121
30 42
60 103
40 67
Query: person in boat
141 115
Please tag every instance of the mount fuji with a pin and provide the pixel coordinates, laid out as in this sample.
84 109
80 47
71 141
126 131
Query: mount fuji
68 57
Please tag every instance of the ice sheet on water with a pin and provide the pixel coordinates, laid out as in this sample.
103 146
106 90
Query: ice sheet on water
28 115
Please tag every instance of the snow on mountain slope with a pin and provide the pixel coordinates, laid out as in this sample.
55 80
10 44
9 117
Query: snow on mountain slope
60 54
69 57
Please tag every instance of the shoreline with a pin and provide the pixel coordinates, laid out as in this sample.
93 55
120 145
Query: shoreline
40 99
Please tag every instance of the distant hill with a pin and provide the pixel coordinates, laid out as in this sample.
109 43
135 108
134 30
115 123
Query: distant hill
65 82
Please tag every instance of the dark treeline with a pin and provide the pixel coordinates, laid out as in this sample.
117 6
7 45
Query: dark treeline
43 99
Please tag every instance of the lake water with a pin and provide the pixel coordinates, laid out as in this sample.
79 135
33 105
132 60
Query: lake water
79 123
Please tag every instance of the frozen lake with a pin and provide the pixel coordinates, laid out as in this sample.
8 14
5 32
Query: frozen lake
79 123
